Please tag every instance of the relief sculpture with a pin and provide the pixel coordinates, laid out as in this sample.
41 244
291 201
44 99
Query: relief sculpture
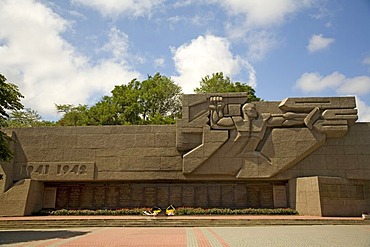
259 139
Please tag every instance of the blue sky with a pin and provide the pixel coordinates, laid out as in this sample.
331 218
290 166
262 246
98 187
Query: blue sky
76 51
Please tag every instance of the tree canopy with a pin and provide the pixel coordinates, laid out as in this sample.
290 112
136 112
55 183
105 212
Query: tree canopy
72 115
219 83
24 118
10 100
155 100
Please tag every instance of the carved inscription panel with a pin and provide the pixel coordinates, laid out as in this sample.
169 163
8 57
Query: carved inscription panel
58 171
129 195
50 196
280 198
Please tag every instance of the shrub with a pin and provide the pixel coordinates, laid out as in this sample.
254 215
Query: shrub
179 211
228 211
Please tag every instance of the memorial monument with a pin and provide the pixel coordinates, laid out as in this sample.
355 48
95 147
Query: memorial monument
309 154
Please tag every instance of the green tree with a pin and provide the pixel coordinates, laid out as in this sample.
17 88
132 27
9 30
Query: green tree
126 101
160 100
26 118
72 115
10 99
218 83
155 100
105 112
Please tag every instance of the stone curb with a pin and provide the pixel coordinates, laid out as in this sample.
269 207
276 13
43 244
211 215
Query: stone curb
76 222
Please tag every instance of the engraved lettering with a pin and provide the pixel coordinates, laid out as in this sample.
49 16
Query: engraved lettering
29 170
65 169
39 169
34 170
46 171
82 169
23 170
75 169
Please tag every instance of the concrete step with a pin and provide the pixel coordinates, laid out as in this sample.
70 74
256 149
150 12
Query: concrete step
163 222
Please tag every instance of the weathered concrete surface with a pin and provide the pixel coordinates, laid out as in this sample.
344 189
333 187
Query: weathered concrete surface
241 151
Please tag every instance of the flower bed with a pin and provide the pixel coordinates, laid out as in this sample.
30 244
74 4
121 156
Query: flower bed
179 211
228 211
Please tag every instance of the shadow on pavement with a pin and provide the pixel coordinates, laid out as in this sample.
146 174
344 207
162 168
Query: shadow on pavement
12 237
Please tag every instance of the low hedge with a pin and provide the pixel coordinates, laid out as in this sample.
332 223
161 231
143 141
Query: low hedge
179 211
228 211
123 211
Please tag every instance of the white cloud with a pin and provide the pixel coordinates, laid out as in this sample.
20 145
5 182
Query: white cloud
317 42
48 69
117 7
196 20
206 55
117 45
366 60
159 62
357 86
314 82
183 3
254 21
260 43
363 110
262 13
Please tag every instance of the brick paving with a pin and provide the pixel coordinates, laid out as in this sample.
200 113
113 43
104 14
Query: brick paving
108 236
130 237
191 236
328 235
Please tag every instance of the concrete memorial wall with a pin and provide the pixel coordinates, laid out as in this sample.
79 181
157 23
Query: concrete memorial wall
305 153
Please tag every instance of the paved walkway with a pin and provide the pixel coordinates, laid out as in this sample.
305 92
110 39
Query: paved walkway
329 236
325 232
231 217
32 222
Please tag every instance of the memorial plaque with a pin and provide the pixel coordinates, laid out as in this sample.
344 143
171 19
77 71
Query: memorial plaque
137 193
111 197
240 196
325 191
99 196
280 200
74 197
163 196
176 195
86 197
214 195
62 197
253 197
334 189
188 196
50 196
227 195
344 192
150 197
124 195
358 192
201 196
266 196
